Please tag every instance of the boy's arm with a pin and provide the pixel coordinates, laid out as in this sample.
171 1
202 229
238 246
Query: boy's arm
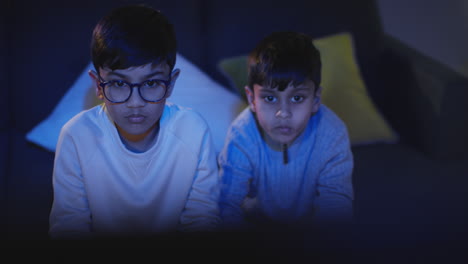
236 175
334 202
201 212
70 216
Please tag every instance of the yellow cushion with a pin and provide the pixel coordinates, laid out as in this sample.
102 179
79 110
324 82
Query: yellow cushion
343 89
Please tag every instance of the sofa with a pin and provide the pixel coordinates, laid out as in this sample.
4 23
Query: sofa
410 186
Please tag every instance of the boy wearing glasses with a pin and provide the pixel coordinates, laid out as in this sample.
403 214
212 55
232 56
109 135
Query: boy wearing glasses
287 160
134 165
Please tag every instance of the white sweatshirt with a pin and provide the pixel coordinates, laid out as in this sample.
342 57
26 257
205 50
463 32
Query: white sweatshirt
101 187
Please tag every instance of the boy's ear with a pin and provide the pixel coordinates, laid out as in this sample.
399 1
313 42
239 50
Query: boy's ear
95 78
250 97
317 99
174 75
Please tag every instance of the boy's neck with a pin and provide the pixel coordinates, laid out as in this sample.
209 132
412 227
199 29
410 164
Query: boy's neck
276 146
141 142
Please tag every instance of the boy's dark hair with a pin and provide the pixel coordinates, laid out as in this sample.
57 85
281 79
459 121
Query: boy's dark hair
133 35
282 58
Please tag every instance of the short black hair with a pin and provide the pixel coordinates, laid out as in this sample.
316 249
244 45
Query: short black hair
133 35
282 58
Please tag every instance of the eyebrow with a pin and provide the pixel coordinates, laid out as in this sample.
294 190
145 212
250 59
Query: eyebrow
302 88
123 76
276 90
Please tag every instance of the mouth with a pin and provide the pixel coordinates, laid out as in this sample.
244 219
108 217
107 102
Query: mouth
284 130
135 118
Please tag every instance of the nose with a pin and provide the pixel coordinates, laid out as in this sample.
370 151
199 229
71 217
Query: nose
284 111
135 99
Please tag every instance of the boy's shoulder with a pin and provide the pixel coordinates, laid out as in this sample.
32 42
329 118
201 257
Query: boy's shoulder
329 117
87 125
186 128
244 119
244 127
185 124
84 118
176 116
329 123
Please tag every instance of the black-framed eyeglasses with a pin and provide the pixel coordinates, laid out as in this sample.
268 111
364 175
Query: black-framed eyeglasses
119 91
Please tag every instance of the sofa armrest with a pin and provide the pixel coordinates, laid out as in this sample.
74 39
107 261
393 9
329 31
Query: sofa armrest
426 101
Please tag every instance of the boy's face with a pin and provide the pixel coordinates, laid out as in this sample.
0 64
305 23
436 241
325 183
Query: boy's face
284 115
136 117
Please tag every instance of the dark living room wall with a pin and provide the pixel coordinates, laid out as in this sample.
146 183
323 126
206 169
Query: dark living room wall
436 28
4 104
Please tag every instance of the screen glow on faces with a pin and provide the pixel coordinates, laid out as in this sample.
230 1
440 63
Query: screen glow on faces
136 118
283 115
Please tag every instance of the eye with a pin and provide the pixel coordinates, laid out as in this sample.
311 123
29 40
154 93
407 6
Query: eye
269 99
118 83
297 98
152 84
